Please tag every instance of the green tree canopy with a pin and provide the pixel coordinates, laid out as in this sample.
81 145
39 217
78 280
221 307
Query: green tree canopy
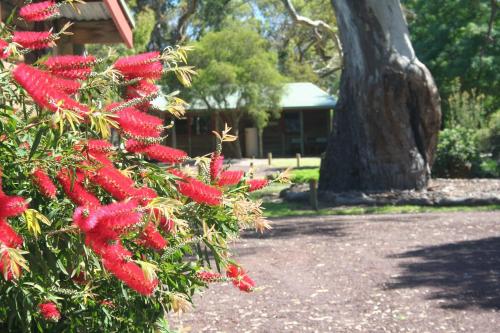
237 62
459 39
235 67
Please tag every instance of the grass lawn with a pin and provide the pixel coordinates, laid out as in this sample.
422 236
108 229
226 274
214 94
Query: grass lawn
309 162
300 176
283 209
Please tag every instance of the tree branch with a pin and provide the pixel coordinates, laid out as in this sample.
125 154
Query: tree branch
305 20
316 25
179 33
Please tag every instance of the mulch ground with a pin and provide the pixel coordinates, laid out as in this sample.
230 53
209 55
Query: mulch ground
384 273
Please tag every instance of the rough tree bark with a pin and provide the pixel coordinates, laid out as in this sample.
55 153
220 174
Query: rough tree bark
388 117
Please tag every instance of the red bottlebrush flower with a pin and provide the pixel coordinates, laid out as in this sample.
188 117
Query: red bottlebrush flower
49 311
137 60
165 154
4 49
144 195
12 206
42 88
153 71
197 190
69 62
75 74
107 248
33 40
244 283
256 184
113 217
68 86
167 225
135 146
40 11
228 178
209 277
141 89
99 146
107 303
138 123
114 182
9 269
116 253
75 190
8 236
156 152
151 238
134 64
44 183
132 275
80 279
216 163
240 278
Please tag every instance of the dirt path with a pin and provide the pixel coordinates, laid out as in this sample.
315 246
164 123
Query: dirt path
390 273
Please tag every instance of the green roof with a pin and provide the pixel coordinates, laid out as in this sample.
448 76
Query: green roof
298 95
306 95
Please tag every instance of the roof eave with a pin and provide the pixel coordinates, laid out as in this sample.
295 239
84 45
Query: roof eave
121 20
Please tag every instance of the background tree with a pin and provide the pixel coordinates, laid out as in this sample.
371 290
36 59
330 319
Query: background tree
235 63
459 40
388 116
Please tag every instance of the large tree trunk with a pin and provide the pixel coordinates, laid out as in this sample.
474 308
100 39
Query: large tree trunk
388 117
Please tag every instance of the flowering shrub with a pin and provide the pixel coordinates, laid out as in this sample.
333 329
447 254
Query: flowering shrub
96 237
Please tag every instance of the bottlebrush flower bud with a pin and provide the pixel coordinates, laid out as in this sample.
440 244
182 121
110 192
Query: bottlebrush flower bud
8 236
216 163
4 49
11 206
49 311
33 40
44 183
256 184
228 178
209 277
40 11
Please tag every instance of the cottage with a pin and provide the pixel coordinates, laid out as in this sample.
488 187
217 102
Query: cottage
304 125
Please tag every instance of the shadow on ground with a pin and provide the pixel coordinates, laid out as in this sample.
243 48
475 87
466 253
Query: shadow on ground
294 229
463 274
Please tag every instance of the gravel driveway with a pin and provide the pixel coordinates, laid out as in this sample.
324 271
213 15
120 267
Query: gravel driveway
379 273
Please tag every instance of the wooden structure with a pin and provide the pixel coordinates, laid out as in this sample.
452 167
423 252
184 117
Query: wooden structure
94 22
304 126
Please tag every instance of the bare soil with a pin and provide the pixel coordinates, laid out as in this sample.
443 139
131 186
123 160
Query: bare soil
383 273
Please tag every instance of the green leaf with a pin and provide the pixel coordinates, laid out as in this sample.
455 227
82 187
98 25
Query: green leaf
36 141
